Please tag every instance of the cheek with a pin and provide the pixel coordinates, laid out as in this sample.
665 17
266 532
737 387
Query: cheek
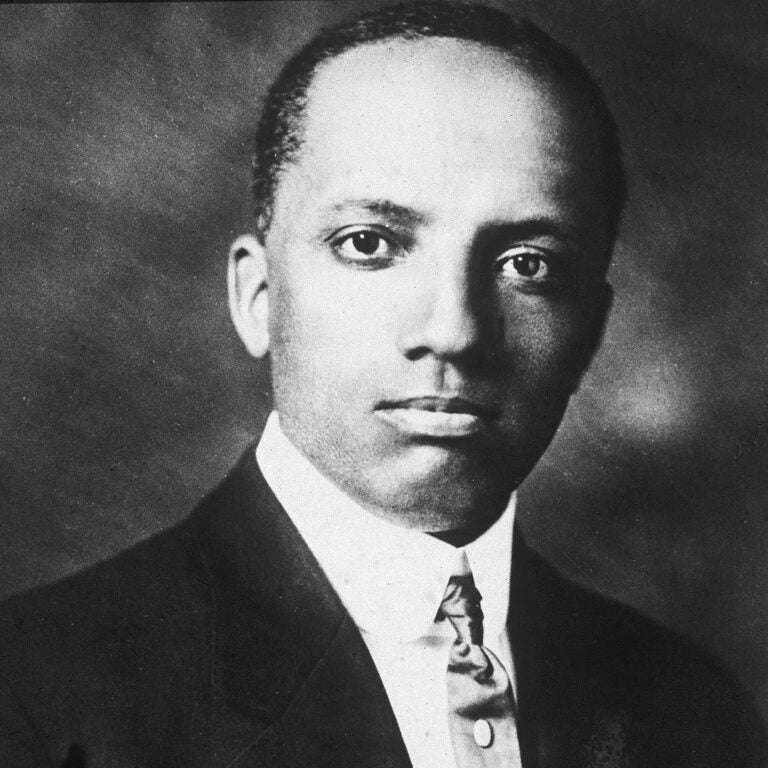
545 341
322 329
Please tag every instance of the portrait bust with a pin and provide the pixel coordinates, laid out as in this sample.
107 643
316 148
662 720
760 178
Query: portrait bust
438 191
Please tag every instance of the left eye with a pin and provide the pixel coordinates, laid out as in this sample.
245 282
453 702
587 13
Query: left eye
524 262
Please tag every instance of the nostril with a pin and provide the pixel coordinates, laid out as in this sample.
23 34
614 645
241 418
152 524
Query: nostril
453 319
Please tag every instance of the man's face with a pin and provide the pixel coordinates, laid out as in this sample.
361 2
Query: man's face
435 278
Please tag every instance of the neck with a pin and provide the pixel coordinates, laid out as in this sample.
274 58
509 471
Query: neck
460 537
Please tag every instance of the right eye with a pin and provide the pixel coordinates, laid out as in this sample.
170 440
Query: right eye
366 243
364 247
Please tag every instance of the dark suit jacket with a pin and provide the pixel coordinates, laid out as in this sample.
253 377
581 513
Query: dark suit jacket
220 643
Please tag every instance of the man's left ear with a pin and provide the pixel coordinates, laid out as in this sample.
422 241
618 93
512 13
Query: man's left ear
248 296
594 333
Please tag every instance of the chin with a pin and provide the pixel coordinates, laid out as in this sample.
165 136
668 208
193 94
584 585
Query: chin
444 495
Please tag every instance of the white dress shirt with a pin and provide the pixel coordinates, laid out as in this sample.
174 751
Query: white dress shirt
391 580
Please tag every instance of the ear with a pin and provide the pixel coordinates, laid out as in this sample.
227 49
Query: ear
598 317
248 299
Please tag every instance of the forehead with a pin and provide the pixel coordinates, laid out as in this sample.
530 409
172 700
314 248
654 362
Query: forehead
403 120
428 77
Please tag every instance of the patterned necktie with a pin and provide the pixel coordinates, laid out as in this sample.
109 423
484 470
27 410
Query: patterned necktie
481 705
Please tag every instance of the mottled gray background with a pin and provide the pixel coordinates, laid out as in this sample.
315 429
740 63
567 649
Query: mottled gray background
125 394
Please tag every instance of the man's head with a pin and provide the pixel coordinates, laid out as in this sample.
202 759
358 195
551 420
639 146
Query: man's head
438 191
280 131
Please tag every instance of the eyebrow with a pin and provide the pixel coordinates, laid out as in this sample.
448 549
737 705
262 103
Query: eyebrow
535 227
386 209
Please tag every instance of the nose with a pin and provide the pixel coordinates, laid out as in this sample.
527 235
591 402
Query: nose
449 319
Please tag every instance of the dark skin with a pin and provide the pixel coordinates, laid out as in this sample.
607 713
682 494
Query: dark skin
430 289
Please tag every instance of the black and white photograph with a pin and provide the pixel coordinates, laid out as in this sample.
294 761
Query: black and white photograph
384 385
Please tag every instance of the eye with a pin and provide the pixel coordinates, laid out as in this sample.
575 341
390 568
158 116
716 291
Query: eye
364 247
525 262
365 242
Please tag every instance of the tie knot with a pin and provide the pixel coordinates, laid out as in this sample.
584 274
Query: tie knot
461 606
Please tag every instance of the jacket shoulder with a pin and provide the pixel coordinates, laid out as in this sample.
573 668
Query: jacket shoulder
116 657
682 705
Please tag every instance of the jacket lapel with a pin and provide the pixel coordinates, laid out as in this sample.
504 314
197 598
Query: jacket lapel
288 658
568 710
341 717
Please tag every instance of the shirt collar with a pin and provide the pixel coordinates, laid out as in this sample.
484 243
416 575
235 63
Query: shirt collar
391 579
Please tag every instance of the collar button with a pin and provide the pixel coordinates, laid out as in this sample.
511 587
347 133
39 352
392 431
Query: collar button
483 733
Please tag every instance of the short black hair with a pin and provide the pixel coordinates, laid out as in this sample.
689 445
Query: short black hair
279 131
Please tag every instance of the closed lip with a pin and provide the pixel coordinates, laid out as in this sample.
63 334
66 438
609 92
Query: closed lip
441 404
436 416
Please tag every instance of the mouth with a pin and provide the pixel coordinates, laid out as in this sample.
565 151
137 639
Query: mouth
435 416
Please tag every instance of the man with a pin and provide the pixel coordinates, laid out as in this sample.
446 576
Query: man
438 190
